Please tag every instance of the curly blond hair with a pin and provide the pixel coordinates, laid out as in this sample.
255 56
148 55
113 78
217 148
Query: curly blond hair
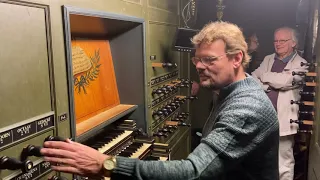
230 33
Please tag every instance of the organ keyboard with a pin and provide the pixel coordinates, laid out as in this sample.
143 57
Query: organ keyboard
112 139
121 143
123 139
127 142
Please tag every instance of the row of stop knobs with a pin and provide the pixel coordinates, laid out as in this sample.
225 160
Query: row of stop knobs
171 106
167 129
181 117
165 89
24 164
306 103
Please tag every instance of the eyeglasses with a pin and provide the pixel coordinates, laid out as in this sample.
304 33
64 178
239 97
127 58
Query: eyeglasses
206 61
281 41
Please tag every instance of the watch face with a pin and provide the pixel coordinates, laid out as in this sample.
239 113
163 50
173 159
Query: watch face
108 164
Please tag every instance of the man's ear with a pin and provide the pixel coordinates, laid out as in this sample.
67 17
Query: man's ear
294 44
237 60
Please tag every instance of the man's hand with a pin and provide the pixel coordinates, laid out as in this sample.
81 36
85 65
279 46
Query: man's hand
72 157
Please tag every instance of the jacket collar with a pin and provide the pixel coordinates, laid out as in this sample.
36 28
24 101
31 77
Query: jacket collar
288 58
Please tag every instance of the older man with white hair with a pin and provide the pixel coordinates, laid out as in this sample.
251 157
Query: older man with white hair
275 76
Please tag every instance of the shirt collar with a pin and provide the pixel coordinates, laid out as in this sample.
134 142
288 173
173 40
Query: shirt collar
286 59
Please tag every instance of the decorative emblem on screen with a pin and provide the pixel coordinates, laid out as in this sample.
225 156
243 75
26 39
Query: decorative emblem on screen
85 68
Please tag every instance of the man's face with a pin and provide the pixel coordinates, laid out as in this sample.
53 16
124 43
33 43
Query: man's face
220 71
253 43
283 42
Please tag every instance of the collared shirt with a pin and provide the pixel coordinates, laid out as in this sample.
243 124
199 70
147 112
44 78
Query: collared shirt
278 67
286 59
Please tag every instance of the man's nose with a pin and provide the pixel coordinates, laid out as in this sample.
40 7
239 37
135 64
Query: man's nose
199 65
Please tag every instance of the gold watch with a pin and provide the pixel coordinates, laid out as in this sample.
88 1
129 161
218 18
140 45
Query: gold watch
108 165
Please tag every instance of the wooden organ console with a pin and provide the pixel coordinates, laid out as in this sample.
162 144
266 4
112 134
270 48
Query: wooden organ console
305 119
111 111
88 77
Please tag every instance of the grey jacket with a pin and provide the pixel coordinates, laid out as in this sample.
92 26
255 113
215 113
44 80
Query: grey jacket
241 141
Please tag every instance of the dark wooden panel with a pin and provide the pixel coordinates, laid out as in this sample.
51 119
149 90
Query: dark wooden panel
181 149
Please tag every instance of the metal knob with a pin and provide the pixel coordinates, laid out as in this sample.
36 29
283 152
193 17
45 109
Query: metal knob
15 164
54 138
296 102
298 73
184 124
58 178
156 91
158 113
30 150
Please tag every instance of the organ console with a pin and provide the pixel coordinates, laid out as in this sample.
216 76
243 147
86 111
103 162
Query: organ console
305 118
108 99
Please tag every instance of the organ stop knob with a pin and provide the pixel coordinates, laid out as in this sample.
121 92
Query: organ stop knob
15 164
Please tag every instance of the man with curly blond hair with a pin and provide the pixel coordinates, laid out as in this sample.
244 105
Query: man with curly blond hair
240 138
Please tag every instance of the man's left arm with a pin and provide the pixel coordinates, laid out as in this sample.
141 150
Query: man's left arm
283 80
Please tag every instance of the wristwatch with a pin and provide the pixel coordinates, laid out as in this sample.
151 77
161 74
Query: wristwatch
108 165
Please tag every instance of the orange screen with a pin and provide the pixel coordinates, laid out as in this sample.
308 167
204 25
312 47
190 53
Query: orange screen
95 88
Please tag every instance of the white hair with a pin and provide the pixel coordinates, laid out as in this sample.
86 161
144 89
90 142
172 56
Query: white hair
294 33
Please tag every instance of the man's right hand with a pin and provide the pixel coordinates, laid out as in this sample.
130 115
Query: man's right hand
72 157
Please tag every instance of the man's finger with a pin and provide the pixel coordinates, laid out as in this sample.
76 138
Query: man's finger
69 141
64 161
67 169
74 143
57 153
60 145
